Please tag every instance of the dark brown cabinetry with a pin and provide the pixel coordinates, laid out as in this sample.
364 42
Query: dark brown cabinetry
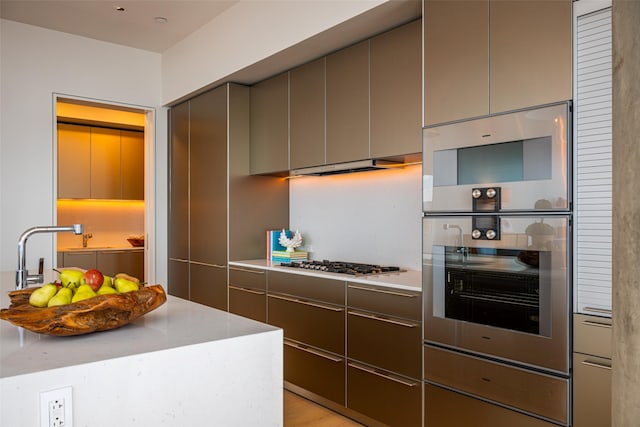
210 177
311 312
348 104
307 115
396 100
248 293
270 125
108 262
487 57
384 350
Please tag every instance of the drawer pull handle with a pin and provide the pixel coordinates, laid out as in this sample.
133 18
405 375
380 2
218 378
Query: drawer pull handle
246 270
179 260
598 324
383 291
206 264
380 374
312 351
598 310
312 304
596 365
382 319
251 291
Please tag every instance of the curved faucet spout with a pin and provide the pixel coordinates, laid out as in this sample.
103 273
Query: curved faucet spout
23 278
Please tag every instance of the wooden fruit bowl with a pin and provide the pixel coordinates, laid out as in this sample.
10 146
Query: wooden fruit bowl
99 313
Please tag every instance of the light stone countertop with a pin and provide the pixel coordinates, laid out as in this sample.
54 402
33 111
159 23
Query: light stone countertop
176 323
409 280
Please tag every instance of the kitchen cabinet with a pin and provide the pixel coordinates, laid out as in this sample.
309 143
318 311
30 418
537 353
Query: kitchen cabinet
74 161
488 57
444 407
592 371
100 163
125 261
307 115
396 99
210 178
248 293
311 312
270 125
81 259
347 109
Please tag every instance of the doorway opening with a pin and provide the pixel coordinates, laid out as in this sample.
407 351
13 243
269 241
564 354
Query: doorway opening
103 179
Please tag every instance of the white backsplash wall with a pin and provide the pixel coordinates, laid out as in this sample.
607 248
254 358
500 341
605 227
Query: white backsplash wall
370 217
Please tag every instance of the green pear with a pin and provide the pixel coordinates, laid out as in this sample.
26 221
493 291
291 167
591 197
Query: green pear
108 281
71 278
63 297
127 277
104 290
123 285
41 296
84 292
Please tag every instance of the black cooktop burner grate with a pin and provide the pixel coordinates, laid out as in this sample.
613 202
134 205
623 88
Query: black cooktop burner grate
353 268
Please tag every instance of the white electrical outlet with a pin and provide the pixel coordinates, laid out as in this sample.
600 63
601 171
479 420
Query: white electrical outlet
56 408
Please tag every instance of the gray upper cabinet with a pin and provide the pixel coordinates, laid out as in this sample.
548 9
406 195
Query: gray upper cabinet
530 53
488 57
105 164
348 104
270 125
208 178
74 161
307 115
396 78
456 61
132 162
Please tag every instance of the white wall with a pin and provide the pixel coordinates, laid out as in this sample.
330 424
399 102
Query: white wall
245 34
35 64
370 217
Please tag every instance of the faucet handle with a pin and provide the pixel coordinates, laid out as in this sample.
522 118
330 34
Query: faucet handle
41 266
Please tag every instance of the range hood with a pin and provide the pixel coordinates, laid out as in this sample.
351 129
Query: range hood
348 167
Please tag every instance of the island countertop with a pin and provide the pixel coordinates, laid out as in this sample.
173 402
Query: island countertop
176 323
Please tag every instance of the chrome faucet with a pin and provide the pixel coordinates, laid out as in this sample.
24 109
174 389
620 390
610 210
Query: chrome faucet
462 250
23 278
85 239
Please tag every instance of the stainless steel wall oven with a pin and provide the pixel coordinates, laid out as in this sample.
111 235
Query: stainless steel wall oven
496 250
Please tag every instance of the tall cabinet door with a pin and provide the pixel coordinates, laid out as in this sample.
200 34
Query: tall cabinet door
307 113
132 161
530 53
106 182
74 161
396 82
208 178
348 104
456 62
179 183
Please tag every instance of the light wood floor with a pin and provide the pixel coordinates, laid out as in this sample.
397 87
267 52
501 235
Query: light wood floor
299 411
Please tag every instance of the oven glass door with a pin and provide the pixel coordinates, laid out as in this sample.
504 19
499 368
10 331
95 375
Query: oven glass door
507 298
525 153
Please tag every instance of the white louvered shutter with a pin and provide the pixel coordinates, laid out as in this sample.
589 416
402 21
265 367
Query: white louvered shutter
593 201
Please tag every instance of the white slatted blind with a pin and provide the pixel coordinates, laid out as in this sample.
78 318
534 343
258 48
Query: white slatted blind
593 113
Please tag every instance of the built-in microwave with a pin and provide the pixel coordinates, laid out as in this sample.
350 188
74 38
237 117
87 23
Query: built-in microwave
525 153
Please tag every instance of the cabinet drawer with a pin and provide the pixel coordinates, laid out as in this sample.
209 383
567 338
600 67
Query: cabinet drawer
386 342
315 370
447 408
591 391
315 288
504 384
248 302
250 278
389 301
84 259
592 335
383 396
317 324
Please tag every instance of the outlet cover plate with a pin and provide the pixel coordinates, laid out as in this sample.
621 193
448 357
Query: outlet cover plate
46 400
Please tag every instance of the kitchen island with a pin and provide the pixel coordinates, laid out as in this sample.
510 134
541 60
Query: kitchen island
183 364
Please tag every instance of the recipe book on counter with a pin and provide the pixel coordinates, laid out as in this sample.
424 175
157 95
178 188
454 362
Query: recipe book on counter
278 253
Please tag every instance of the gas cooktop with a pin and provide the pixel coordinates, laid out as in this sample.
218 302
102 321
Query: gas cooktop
355 269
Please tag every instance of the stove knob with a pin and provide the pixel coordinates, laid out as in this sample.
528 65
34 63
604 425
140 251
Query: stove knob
476 234
491 193
491 234
476 193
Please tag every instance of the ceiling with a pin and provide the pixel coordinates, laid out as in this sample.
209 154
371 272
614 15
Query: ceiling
136 26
